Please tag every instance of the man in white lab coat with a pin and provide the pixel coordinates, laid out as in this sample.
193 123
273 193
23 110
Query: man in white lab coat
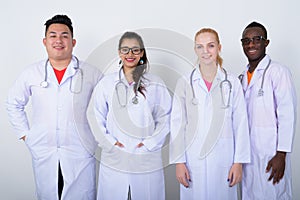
59 138
271 103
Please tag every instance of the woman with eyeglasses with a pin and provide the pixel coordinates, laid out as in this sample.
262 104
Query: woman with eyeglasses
209 126
132 108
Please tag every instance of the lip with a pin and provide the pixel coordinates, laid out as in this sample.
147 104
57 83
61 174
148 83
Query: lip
130 59
58 47
251 51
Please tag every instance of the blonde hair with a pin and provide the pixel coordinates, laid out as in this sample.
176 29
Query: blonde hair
209 30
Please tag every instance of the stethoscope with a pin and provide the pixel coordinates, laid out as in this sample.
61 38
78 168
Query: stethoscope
45 83
195 101
261 90
120 84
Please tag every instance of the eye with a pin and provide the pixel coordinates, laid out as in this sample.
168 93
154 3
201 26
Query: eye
124 50
198 46
136 50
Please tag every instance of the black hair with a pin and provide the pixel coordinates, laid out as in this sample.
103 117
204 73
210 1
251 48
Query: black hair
59 19
256 24
142 67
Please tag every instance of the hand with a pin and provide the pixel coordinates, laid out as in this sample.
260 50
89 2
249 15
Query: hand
182 174
140 145
119 144
23 138
235 174
277 164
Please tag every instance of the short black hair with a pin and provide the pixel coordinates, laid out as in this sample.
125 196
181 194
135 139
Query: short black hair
256 24
59 19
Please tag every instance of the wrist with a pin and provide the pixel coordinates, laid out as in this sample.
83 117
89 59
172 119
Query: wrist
281 153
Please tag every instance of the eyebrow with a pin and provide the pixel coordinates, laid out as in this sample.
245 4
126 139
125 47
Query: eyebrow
207 43
63 33
130 47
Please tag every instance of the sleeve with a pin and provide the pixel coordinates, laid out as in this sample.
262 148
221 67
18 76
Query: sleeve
178 124
17 99
286 106
106 140
240 125
161 116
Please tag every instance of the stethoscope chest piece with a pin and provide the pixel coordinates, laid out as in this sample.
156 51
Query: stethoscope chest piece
135 100
44 84
195 101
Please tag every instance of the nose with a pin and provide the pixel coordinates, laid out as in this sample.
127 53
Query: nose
251 43
58 39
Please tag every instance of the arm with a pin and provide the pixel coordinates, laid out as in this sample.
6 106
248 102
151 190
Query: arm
106 140
17 99
285 100
178 124
240 126
161 116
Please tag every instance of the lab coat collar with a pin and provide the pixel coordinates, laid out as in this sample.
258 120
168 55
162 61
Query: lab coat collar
70 71
123 79
220 75
258 72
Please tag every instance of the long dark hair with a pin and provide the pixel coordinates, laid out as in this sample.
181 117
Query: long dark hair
142 66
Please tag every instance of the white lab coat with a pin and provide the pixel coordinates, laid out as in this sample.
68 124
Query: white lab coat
147 122
272 123
207 137
58 131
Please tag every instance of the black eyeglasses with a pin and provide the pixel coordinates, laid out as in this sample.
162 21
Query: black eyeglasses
255 40
134 50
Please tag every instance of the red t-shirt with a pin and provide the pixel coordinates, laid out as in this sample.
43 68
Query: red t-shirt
59 74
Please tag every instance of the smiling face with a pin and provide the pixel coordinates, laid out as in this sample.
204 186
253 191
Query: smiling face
207 48
59 42
255 50
130 59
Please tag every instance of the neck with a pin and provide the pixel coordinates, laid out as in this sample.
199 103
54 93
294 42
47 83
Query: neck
208 72
59 64
128 73
254 63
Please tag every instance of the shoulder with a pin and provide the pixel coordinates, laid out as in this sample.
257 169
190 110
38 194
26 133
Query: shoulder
110 78
278 67
32 69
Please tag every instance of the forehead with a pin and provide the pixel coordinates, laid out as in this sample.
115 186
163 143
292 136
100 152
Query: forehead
253 31
206 37
58 28
130 42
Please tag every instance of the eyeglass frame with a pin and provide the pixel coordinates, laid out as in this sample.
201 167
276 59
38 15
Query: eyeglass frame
131 49
255 40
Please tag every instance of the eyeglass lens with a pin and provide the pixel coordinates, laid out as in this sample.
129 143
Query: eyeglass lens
255 40
134 50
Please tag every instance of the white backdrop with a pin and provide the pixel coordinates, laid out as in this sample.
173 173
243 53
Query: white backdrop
22 30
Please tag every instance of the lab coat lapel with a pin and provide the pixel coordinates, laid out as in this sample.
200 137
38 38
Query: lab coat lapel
70 71
258 72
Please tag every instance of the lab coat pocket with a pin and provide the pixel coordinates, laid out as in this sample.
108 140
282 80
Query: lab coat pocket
37 142
263 112
263 140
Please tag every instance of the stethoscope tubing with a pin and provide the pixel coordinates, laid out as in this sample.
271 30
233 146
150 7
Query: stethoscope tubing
195 100
45 84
